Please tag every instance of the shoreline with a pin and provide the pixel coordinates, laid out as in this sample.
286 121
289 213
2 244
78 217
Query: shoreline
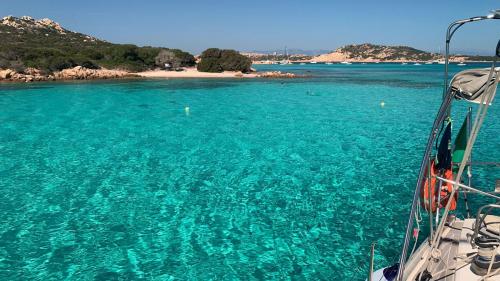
194 73
79 73
364 61
83 74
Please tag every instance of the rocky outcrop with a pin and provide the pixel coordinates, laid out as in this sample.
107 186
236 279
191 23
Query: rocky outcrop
82 73
29 75
6 74
277 74
51 24
27 23
76 73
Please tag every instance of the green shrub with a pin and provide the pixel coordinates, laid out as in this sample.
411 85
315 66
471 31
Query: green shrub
211 53
60 63
122 53
89 64
210 65
216 60
16 65
185 58
148 55
234 61
4 63
92 54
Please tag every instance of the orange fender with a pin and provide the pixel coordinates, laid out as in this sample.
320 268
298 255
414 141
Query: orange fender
429 194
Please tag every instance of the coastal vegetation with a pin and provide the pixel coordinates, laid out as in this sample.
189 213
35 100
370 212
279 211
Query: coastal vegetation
217 60
45 45
175 58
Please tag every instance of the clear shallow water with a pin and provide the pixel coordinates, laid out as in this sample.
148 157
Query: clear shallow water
265 179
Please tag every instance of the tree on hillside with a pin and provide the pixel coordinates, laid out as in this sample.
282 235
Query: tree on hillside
126 52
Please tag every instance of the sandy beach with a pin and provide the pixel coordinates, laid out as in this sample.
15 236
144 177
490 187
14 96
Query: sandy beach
193 73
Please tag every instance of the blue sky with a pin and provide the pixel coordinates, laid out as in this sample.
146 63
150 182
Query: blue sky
269 25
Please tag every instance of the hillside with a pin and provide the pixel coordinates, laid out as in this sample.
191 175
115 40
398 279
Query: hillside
46 45
371 53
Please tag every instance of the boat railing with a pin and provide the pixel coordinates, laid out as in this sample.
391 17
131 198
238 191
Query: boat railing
480 216
468 188
443 112
440 117
484 163
372 258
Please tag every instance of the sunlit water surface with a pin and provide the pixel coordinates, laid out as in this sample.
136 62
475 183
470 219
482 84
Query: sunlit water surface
259 180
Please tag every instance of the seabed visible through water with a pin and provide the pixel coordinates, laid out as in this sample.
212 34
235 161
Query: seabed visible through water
215 179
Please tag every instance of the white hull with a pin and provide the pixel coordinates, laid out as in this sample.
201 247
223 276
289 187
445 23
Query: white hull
453 259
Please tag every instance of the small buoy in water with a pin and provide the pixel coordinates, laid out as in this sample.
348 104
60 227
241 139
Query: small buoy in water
186 110
382 104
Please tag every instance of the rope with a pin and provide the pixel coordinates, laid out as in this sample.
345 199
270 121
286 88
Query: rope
469 166
467 209
493 253
416 231
493 273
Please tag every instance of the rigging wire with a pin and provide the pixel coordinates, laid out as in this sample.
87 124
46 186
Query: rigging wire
486 99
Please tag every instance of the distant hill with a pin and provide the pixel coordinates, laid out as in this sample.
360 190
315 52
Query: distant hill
271 57
46 45
300 52
277 55
371 52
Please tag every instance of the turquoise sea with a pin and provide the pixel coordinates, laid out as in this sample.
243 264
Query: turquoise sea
260 180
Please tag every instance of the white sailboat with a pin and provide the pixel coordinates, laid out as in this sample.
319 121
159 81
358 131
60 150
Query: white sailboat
462 244
286 60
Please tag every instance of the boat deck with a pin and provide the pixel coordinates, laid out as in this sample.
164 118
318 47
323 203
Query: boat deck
452 261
